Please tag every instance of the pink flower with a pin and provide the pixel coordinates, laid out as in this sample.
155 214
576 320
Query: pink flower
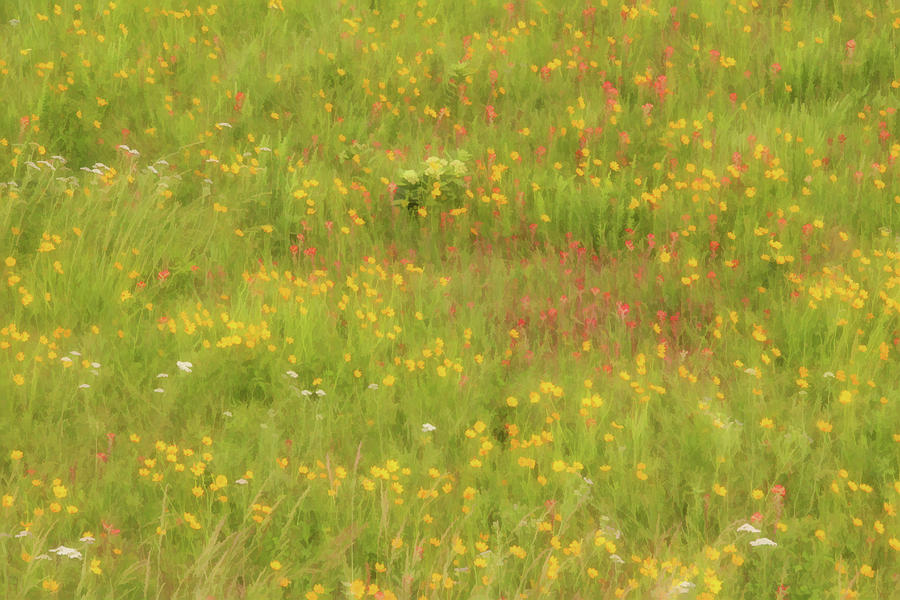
756 517
779 490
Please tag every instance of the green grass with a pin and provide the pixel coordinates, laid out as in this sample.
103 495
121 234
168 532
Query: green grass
261 337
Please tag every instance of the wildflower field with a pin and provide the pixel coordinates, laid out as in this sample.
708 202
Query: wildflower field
424 300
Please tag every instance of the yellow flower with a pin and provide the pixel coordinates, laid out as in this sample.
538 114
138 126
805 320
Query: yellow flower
95 566
16 455
276 566
357 589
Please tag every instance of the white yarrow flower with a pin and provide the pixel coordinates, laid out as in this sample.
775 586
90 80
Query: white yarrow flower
291 374
749 528
67 552
685 587
763 542
428 428
185 366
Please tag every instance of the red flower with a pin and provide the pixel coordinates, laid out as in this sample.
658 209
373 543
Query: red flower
779 490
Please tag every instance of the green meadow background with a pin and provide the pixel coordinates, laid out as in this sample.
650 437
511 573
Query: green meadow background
476 300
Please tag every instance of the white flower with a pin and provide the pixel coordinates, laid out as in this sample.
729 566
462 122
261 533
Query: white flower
763 542
75 353
241 481
185 366
373 386
748 527
750 371
588 481
96 365
827 374
320 393
162 375
84 386
428 427
306 393
65 359
42 557
23 533
87 539
159 390
68 552
292 374
685 587
617 559
227 413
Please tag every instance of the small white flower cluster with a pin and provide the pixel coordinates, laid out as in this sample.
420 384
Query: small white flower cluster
67 552
763 541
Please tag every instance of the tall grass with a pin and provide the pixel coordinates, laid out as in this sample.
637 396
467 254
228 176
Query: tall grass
262 336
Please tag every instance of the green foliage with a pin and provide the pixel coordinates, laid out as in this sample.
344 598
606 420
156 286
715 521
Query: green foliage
642 326
437 180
